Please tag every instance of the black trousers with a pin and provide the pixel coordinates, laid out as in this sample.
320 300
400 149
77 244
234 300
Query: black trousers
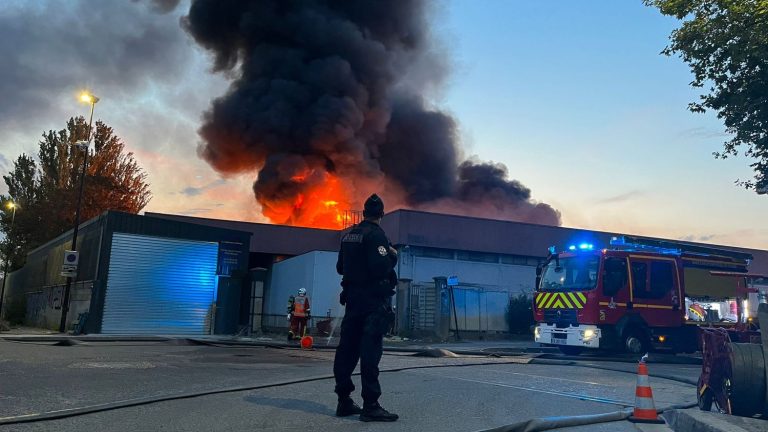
360 340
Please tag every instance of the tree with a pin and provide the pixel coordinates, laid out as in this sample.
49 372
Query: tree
519 314
725 43
46 189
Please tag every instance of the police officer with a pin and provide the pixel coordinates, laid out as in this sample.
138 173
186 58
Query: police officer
366 262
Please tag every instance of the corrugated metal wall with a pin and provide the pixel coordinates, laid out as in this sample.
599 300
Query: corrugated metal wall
480 309
159 286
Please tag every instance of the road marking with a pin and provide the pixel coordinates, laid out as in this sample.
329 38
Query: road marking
552 392
556 378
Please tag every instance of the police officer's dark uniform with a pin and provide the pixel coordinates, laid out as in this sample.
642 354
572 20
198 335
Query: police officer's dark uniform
367 264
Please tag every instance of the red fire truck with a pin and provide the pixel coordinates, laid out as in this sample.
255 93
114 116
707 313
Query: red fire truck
639 294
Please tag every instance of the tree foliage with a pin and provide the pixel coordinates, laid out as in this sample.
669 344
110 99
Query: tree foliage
519 314
725 43
46 188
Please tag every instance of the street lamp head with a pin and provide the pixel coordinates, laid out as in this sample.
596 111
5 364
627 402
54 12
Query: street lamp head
87 97
82 144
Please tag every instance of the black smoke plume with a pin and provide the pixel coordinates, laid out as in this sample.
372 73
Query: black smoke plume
338 89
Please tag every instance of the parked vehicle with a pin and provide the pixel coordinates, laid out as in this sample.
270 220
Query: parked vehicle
640 294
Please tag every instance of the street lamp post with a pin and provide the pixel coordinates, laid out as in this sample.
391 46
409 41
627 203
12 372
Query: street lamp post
11 205
91 99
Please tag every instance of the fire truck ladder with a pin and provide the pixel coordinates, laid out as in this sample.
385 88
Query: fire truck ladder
641 244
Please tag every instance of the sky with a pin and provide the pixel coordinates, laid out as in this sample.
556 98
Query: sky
573 97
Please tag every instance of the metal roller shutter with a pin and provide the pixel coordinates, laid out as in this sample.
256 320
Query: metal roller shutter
159 286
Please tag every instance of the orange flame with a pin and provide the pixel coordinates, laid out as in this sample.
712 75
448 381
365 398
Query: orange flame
320 205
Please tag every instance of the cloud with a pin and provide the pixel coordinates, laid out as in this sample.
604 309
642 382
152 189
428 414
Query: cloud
52 49
702 132
153 82
194 191
163 6
627 196
195 211
698 238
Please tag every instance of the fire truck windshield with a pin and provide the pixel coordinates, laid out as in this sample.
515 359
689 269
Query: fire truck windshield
573 274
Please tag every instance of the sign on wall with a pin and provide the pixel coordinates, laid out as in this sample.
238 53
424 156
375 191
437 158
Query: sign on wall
230 254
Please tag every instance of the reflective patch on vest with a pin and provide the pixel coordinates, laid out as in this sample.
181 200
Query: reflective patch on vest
299 307
353 238
382 251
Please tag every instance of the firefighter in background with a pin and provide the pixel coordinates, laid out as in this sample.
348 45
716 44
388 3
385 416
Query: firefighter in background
298 314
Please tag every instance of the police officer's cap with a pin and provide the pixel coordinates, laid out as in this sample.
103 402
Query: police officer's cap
374 207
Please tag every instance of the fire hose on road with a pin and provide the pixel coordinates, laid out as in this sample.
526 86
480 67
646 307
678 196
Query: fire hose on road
529 426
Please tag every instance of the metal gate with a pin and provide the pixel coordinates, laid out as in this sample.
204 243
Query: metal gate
423 306
160 286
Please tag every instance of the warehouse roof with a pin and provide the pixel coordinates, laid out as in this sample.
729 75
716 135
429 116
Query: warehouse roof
418 228
271 239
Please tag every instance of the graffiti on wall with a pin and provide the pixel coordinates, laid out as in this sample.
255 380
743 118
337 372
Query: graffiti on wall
36 305
39 302
55 297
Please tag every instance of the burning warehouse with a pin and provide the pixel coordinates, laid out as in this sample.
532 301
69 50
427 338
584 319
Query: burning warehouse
328 102
171 274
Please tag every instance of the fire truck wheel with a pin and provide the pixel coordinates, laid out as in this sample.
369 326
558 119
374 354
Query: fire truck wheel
635 342
570 350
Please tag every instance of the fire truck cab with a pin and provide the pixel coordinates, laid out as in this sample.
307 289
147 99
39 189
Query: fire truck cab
637 295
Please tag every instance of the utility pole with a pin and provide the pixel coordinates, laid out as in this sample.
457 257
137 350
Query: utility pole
85 97
12 205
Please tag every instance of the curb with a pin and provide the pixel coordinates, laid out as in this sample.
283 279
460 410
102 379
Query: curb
695 420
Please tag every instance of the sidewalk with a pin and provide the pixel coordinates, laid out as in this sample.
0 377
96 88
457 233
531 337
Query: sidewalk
27 331
695 420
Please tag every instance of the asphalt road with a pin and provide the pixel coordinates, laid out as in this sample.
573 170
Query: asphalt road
460 397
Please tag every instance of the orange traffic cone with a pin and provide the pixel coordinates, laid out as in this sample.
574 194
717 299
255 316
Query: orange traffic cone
645 410
306 341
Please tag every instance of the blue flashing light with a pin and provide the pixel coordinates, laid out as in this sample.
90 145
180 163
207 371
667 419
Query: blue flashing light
621 243
582 247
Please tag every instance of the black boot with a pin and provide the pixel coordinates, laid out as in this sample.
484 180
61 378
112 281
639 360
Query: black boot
375 412
347 407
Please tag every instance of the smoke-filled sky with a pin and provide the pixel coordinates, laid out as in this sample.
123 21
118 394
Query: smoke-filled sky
572 99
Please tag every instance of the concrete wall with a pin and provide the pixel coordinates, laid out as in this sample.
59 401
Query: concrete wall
43 307
42 269
315 271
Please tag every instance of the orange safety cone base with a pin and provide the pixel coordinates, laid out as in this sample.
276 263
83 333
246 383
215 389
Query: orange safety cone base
657 420
306 342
